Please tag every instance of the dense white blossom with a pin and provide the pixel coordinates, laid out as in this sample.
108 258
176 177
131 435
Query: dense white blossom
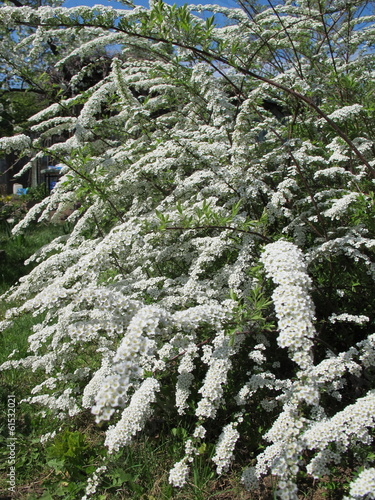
134 416
18 142
360 319
283 261
219 360
363 486
351 424
185 377
185 163
179 473
224 448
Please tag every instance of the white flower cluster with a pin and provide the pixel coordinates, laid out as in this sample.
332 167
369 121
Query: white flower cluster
257 354
346 112
367 351
219 360
363 487
47 437
19 142
179 473
282 456
349 425
224 447
284 263
260 381
93 105
134 416
95 385
126 363
31 215
65 404
339 207
351 318
93 482
185 377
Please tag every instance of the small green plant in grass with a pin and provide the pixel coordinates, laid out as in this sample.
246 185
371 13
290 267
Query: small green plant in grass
16 249
68 453
12 209
202 472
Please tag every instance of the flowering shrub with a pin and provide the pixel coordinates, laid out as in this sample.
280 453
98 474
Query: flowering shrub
221 255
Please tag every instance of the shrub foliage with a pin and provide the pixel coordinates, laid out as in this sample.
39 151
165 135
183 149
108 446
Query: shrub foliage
219 271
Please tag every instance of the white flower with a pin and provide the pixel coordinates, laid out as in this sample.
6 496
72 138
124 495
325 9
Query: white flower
224 448
346 112
18 142
134 416
284 262
364 485
179 473
359 319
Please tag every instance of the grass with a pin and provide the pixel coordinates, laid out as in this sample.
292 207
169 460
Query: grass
16 249
139 472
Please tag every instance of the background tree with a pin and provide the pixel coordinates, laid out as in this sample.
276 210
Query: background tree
30 83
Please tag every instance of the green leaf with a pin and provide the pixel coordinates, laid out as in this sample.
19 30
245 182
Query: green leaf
46 496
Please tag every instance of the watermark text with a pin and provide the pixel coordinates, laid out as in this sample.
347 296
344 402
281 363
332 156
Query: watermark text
11 445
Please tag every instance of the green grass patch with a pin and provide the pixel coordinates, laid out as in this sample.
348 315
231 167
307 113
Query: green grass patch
14 250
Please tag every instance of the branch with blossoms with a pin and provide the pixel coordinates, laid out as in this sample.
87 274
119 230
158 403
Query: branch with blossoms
207 341
212 57
222 172
224 228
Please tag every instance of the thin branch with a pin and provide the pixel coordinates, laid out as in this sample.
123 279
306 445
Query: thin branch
181 228
203 53
289 38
